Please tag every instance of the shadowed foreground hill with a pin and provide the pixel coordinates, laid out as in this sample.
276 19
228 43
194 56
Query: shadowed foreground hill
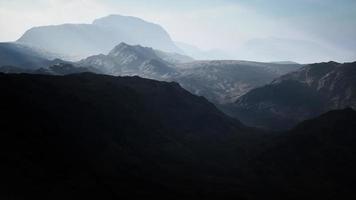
88 136
314 159
98 136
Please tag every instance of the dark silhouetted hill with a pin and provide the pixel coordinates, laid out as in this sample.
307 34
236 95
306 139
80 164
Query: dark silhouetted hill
103 137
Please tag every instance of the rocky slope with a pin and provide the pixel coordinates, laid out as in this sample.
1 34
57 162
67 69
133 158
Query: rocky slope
128 60
223 82
299 95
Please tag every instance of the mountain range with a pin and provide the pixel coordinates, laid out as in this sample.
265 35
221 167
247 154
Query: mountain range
219 81
261 91
115 110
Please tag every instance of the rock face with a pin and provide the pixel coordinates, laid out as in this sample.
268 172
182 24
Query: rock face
219 81
299 95
76 41
103 137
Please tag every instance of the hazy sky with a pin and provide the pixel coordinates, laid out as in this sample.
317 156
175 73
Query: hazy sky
245 29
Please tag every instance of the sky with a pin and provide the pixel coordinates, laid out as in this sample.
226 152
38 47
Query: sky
262 30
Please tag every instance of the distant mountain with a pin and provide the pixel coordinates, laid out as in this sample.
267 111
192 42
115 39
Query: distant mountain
219 81
21 56
77 41
299 95
128 60
224 81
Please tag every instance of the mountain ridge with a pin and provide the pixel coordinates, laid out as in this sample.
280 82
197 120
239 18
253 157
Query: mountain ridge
219 81
299 95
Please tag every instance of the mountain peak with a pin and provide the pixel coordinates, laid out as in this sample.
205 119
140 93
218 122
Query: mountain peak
119 47
116 19
100 36
137 50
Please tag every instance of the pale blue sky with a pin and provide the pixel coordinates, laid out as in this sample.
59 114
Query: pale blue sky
229 25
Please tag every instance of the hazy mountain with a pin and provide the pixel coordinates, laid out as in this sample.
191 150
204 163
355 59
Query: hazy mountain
224 81
17 58
82 40
12 54
128 60
95 136
219 81
299 95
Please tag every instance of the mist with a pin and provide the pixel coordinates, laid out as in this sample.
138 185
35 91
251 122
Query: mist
305 32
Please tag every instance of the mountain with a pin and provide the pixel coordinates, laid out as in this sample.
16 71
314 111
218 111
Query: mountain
18 58
219 81
21 56
96 136
299 95
315 159
224 81
76 41
92 136
129 60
